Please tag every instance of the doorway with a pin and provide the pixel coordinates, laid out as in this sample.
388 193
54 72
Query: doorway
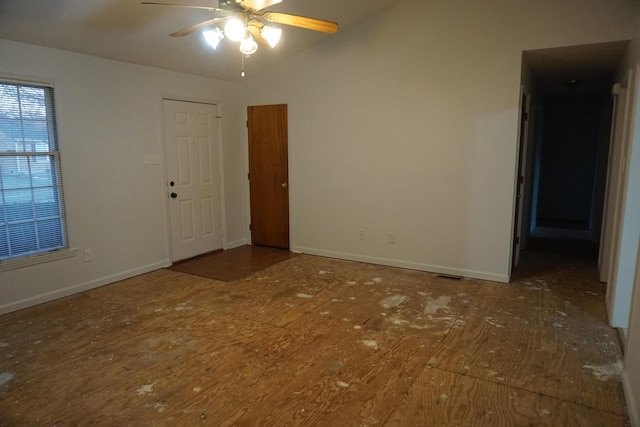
194 182
268 175
566 163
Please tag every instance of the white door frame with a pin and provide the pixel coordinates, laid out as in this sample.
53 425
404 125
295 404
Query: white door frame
521 171
165 180
611 211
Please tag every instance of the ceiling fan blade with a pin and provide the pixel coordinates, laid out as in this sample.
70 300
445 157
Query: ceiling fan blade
254 27
301 21
196 27
210 9
256 5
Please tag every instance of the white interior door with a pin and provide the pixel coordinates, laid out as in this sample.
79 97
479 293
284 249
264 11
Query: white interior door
193 175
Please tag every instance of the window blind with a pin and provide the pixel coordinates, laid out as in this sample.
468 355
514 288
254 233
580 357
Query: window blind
32 216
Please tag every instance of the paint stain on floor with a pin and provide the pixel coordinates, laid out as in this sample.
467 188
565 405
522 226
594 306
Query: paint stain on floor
393 301
440 303
606 372
5 377
145 389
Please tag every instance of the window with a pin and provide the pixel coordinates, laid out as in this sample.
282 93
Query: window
32 219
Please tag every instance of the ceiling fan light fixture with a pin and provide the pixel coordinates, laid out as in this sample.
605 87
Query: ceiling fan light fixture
213 37
271 35
248 45
234 29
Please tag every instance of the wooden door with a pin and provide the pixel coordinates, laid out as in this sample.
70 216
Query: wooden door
268 175
194 179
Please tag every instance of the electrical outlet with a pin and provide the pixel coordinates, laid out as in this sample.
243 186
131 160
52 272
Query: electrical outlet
391 238
361 234
88 256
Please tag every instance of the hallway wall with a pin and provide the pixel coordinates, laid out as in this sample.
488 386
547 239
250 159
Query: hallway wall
631 373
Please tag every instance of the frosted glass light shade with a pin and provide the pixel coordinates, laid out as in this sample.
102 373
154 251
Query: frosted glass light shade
234 29
248 45
271 35
213 37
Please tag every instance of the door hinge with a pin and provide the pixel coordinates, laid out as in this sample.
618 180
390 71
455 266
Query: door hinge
248 176
525 116
517 240
249 227
247 123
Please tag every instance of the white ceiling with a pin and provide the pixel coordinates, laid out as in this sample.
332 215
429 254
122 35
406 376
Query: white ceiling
125 30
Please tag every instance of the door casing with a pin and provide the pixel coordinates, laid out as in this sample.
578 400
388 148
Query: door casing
520 180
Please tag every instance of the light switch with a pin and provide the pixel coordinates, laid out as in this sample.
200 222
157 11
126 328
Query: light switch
151 159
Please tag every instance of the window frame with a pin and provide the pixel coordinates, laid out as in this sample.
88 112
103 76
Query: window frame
52 155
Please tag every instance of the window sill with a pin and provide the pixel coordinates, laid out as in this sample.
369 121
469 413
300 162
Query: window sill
27 261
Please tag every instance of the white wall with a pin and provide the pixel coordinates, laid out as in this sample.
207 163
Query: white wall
109 116
625 243
631 373
407 123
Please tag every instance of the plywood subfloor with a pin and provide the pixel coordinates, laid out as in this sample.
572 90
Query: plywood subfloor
314 341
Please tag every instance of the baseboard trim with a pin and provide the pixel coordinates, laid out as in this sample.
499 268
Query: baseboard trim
632 401
404 264
81 287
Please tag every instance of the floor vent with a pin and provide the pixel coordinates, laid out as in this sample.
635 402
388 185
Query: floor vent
450 277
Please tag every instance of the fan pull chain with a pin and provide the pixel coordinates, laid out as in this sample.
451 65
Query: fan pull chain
242 72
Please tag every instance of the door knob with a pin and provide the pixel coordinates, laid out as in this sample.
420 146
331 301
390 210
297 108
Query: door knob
284 185
174 195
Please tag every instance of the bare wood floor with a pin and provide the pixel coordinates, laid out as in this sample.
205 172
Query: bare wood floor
315 341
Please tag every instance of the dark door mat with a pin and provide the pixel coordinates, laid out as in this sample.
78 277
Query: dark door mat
234 263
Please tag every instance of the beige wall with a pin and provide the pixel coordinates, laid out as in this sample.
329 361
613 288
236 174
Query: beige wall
407 123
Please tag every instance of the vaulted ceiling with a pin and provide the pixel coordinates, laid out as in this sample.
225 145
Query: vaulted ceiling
126 30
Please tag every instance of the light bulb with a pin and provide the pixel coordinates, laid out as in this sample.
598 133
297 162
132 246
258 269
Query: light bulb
213 37
234 29
271 35
248 45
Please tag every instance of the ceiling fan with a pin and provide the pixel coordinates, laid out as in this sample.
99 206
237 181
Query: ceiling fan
245 21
